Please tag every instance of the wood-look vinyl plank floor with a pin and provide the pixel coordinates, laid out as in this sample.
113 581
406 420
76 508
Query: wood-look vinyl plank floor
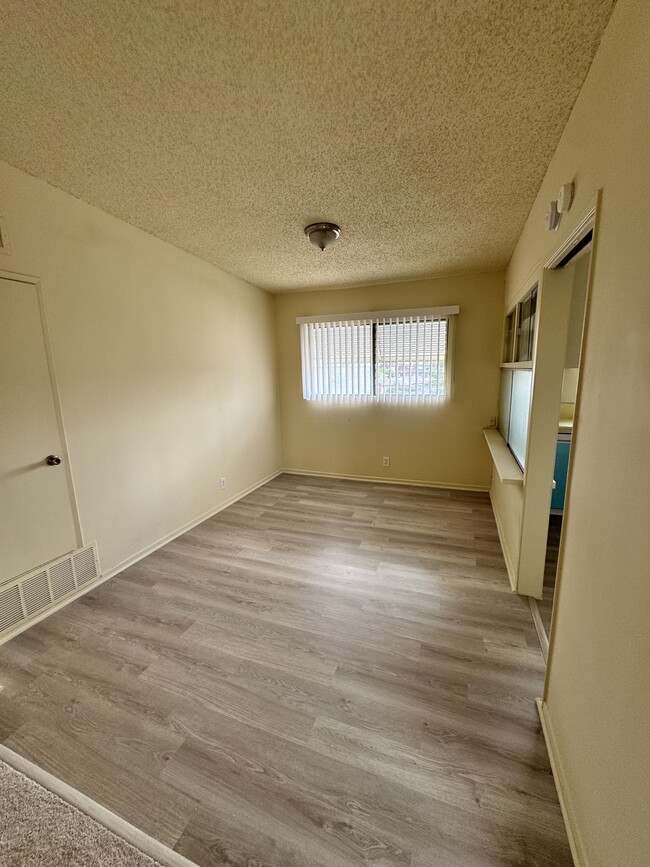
326 674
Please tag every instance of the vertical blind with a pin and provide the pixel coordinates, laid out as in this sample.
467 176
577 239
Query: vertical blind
411 359
336 359
387 358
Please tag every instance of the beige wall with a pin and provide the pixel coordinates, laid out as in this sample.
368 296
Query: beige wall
508 507
598 686
442 444
165 367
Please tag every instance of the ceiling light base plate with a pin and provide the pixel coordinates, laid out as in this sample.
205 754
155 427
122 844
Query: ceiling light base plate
322 234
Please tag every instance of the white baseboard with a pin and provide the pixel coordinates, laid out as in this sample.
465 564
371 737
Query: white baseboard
388 481
140 555
539 626
144 552
115 824
512 575
575 842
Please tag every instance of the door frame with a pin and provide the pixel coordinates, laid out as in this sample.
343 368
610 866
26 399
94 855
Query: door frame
588 223
543 415
35 282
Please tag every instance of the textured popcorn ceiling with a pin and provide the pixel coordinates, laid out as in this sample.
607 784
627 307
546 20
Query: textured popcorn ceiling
423 128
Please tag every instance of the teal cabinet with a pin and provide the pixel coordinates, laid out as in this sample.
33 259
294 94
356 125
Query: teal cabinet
560 473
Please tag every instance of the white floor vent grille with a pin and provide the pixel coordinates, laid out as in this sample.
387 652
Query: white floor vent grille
62 578
11 609
27 598
36 593
85 568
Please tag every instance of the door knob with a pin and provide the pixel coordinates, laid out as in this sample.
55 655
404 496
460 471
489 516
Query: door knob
53 460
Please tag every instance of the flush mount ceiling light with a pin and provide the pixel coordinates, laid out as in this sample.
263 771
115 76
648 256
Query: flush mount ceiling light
322 234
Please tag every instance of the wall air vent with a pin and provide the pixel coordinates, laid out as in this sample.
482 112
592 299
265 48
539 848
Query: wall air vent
85 567
31 597
62 578
11 608
36 593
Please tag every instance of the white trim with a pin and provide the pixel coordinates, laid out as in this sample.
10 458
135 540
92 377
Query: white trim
575 841
553 310
434 312
539 626
144 552
506 466
113 823
516 365
512 574
388 481
576 436
585 226
450 361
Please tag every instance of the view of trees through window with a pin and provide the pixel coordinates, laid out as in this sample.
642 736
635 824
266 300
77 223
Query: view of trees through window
410 359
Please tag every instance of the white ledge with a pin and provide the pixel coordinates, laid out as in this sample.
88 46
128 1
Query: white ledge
506 466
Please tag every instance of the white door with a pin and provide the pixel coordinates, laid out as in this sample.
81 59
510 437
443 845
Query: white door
36 511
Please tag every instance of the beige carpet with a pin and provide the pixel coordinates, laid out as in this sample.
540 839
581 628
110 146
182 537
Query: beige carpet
40 829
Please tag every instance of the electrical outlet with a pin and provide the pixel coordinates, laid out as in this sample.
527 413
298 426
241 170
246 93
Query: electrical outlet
222 483
386 462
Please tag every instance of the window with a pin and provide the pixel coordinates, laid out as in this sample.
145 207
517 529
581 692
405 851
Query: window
509 336
517 375
336 359
388 356
519 331
514 409
526 326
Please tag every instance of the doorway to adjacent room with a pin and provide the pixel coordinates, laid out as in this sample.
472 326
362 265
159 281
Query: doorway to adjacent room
576 263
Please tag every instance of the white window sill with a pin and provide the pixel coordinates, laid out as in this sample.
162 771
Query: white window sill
506 466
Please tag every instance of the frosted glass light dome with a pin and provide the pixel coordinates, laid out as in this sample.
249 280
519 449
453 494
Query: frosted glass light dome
322 234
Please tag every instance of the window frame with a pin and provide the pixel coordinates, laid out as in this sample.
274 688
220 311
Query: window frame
515 361
374 319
